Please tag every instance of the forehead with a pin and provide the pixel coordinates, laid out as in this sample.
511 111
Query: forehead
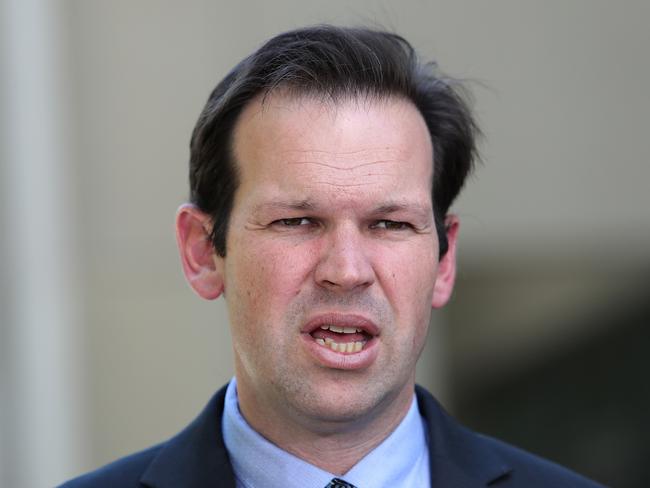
308 148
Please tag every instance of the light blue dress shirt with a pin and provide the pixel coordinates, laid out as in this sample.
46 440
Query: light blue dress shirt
401 460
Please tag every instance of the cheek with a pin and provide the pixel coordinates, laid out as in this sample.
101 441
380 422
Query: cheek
266 274
410 275
408 279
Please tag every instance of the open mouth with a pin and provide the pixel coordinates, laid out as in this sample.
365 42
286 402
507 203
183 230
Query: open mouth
341 338
347 334
342 341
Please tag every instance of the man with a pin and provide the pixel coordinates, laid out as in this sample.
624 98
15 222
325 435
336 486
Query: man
322 170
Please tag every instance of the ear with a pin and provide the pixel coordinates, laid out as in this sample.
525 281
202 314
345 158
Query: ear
447 266
202 267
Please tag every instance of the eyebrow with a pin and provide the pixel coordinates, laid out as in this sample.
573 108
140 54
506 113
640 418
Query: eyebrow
383 209
393 207
396 207
281 205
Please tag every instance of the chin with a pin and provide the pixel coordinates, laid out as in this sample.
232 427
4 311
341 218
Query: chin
338 412
339 405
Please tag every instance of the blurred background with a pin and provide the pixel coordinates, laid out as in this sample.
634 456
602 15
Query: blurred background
105 350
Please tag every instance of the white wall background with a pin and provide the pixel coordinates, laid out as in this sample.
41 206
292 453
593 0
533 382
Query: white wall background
104 348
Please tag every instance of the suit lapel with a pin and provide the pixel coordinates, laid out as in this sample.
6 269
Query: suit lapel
196 457
458 457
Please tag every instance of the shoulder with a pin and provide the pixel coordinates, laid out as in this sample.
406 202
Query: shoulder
459 454
193 458
124 473
529 470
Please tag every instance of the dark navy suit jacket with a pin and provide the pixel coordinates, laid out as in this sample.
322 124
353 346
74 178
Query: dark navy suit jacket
459 458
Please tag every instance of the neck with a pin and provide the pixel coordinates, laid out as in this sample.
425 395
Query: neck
332 445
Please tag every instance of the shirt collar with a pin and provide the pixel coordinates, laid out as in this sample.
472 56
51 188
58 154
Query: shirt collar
400 460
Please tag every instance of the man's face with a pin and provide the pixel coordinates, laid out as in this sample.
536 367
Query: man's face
331 247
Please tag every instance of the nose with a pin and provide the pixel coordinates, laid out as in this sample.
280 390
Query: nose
344 263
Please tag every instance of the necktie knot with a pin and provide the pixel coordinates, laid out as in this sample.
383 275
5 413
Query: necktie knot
339 483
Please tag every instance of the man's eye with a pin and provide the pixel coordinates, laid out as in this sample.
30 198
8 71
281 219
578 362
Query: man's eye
294 222
391 225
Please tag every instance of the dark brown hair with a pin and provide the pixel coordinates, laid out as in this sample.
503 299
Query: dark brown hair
332 62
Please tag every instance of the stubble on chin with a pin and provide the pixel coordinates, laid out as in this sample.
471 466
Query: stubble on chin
318 392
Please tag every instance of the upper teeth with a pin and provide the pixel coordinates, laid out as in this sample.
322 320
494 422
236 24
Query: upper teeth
341 330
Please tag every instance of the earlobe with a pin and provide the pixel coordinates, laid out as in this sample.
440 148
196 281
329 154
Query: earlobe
203 269
447 266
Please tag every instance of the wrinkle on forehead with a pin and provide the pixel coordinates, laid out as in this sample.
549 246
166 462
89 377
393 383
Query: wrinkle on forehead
343 169
301 148
349 168
343 186
346 161
348 178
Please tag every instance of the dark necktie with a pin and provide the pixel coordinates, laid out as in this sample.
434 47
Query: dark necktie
339 483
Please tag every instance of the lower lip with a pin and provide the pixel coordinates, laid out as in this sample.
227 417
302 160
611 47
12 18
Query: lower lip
339 360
